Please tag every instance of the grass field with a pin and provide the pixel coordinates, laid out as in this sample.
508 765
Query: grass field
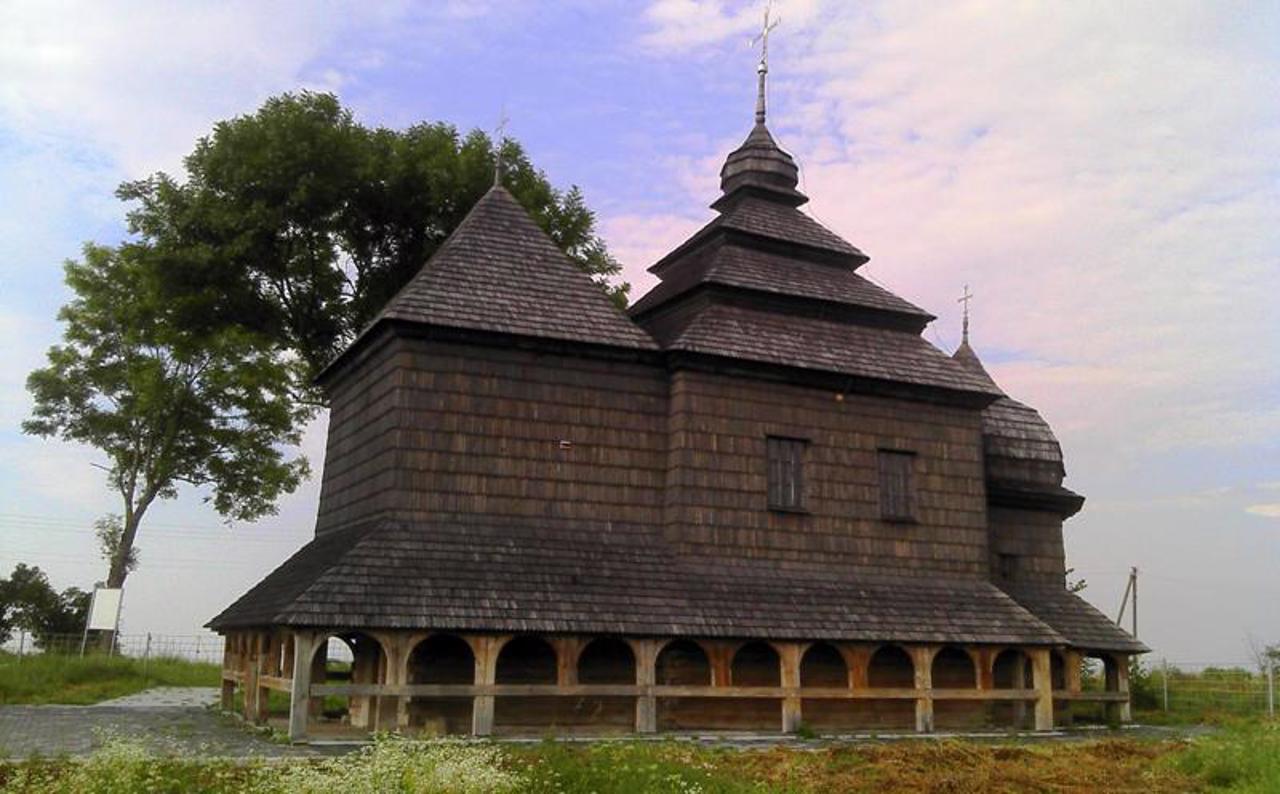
80 681
1244 757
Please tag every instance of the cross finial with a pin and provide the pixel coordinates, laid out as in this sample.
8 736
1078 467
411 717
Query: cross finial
964 299
499 136
762 38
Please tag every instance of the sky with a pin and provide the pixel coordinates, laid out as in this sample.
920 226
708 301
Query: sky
1104 176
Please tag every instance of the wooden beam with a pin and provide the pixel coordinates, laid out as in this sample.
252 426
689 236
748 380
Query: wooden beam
486 671
635 690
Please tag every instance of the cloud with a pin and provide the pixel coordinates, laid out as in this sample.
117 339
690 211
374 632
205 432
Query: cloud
1265 510
637 241
1102 175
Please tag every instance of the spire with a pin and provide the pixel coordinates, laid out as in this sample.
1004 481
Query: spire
762 71
499 137
759 166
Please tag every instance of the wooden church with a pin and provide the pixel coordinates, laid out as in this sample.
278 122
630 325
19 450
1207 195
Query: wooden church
757 500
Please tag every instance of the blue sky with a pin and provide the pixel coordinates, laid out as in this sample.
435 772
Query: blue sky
1106 177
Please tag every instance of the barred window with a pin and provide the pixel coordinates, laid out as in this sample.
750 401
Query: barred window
786 472
897 486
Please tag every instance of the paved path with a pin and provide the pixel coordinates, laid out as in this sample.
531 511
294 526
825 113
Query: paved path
171 720
165 697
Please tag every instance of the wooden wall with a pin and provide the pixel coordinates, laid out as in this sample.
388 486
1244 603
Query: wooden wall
431 427
716 498
1034 537
360 456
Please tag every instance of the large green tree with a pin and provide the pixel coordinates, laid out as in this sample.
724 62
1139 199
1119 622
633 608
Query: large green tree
167 406
300 223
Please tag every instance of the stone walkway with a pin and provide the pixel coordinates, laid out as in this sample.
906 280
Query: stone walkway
165 697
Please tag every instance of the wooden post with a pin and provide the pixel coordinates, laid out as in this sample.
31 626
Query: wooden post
262 695
1042 681
228 666
922 661
304 646
567 650
789 656
486 673
646 652
1125 710
859 660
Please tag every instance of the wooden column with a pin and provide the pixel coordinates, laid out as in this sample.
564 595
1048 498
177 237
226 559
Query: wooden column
228 665
267 655
646 652
789 656
486 650
1042 681
304 645
1071 662
859 660
1123 711
400 647
567 650
922 660
249 668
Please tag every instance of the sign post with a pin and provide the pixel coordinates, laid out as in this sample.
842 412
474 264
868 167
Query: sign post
104 613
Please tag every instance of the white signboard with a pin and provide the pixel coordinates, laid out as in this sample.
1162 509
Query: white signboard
104 610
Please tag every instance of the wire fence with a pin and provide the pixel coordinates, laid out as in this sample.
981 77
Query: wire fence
206 647
1195 689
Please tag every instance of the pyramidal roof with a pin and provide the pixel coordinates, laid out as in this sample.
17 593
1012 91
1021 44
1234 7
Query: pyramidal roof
499 272
767 283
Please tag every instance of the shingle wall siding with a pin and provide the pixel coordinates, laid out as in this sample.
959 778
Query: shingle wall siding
717 496
1034 537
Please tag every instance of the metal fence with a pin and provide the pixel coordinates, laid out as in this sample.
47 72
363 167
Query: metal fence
206 647
1205 689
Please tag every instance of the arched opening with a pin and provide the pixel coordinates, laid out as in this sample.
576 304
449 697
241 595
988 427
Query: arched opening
1099 672
602 662
683 663
755 664
953 668
1011 669
349 658
891 668
525 660
443 659
607 661
823 666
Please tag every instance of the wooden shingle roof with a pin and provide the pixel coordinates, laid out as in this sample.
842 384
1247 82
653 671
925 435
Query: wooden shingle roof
556 576
1074 618
499 272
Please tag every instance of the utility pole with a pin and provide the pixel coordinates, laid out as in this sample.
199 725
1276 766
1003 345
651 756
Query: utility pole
1130 590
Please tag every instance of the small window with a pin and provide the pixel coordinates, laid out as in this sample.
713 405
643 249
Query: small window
897 486
786 473
1008 566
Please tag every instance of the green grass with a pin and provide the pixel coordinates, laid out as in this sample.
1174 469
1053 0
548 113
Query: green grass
94 678
1243 758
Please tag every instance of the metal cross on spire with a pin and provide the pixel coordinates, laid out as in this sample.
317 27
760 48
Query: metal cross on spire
964 299
499 136
762 38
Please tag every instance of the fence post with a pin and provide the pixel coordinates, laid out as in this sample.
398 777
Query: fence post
1164 678
146 657
1271 688
22 644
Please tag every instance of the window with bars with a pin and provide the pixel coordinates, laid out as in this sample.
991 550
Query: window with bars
897 486
786 472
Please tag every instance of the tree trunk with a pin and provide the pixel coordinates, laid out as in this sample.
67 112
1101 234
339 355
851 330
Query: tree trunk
119 565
